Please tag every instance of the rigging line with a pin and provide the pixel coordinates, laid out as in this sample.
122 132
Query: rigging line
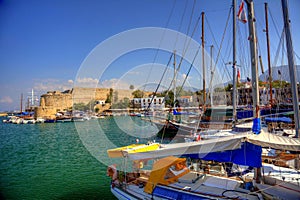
184 46
185 50
296 55
213 36
176 40
210 29
278 49
183 54
180 24
159 83
160 42
188 30
219 51
243 59
188 72
274 23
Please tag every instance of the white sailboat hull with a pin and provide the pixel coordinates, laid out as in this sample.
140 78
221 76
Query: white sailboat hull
121 195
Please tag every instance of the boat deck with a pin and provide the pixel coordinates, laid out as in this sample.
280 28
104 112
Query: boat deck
196 185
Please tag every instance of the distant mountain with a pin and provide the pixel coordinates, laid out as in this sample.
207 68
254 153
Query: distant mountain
280 73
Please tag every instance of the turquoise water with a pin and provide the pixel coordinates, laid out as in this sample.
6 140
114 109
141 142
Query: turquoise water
50 161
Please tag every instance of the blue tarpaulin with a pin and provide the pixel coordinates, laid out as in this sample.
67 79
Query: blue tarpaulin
249 155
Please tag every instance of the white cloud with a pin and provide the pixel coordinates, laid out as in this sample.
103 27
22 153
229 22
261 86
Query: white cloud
86 82
6 99
45 85
114 83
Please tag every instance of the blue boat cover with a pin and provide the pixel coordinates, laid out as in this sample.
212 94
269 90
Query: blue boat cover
256 128
278 119
249 155
175 112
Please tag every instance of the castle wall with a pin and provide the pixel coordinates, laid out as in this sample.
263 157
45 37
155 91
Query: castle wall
55 101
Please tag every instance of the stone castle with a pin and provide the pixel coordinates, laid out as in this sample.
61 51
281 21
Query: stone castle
56 101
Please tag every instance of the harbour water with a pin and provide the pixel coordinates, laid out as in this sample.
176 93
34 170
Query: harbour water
50 161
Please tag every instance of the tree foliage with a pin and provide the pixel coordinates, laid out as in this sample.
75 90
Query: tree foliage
137 94
229 87
122 104
280 84
109 96
80 107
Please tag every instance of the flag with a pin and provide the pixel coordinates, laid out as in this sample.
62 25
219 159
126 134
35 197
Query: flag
279 72
238 76
241 13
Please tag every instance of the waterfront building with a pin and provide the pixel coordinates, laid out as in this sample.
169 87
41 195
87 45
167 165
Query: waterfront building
157 103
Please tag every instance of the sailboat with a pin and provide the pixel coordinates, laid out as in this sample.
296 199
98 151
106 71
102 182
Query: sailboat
172 178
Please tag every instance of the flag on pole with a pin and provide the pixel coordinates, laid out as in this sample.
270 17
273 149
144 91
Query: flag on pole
238 76
242 14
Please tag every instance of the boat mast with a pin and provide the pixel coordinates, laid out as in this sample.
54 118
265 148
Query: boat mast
21 103
268 50
254 65
203 62
211 72
291 62
234 94
174 64
254 70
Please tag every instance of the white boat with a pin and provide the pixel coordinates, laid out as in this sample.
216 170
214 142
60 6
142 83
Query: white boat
244 149
40 120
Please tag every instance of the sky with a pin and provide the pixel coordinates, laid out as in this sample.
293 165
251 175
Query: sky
44 45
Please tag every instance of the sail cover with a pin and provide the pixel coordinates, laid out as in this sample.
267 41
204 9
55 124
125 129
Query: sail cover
269 140
249 155
200 147
220 145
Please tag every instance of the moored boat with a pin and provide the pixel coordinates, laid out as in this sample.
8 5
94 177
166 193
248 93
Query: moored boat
172 178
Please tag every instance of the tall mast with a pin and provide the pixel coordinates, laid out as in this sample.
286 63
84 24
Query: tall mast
254 65
254 69
21 103
203 61
32 97
211 72
268 49
234 94
174 64
291 62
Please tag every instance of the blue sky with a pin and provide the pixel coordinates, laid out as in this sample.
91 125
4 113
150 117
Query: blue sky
43 43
